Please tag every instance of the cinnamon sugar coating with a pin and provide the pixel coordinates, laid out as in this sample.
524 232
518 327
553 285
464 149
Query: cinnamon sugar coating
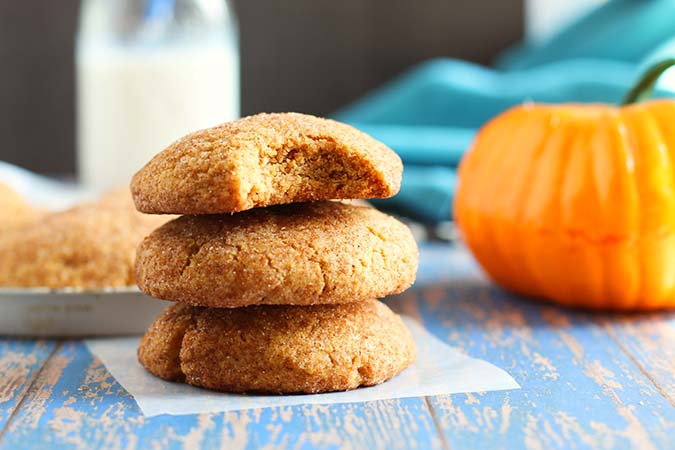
15 211
89 246
278 349
264 160
299 254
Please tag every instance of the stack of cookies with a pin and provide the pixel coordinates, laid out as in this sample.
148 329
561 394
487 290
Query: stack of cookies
275 282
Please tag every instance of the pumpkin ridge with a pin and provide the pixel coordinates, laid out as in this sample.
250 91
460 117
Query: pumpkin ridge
601 185
519 185
656 179
630 210
633 144
558 156
536 270
493 254
670 186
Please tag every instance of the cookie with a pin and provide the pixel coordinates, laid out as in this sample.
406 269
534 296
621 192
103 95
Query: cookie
264 160
298 254
89 246
278 349
15 211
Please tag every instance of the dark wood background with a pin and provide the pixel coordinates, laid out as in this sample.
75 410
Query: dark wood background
302 55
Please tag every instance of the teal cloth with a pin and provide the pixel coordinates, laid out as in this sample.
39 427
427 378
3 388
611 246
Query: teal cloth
430 114
618 30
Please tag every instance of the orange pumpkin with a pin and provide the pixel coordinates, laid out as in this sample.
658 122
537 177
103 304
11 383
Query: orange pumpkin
575 203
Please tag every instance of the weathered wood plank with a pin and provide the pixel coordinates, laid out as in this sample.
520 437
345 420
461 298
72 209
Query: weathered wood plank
649 340
75 403
20 361
579 389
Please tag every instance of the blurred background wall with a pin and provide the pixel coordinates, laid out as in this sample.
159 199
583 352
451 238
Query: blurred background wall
303 55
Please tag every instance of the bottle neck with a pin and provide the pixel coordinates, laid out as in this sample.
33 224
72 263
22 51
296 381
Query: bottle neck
155 22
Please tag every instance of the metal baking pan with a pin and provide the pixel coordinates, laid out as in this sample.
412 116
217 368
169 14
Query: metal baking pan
42 312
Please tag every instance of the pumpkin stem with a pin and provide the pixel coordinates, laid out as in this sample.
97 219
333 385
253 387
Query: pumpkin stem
645 85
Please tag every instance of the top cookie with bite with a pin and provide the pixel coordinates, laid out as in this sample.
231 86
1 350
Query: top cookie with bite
263 160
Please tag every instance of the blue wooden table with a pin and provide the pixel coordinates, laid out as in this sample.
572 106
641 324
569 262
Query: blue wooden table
588 381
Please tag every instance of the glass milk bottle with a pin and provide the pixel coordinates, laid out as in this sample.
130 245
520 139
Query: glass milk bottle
149 72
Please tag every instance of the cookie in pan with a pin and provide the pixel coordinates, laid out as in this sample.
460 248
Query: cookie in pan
15 211
90 246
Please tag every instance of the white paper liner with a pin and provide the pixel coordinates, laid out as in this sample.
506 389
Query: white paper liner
439 369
